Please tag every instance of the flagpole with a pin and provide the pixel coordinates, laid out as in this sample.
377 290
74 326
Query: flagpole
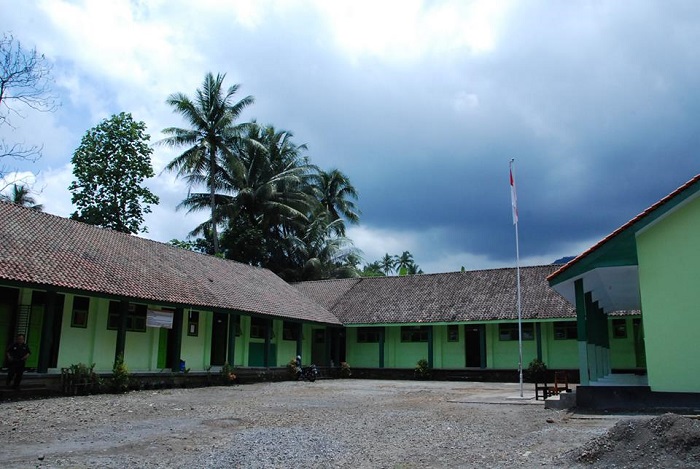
517 270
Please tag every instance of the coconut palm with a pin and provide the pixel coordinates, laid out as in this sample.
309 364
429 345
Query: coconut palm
404 262
336 194
260 194
326 255
387 263
212 117
21 195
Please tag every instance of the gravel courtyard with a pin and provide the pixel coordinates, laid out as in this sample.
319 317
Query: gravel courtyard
329 423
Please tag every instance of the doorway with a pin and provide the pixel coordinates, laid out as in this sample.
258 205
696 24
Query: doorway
219 337
475 346
318 347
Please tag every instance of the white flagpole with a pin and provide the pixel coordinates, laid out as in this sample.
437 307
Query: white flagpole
514 203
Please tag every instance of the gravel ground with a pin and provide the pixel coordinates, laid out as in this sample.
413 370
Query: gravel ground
329 423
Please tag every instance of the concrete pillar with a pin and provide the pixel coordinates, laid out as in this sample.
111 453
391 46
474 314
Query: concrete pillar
382 338
582 332
176 343
430 346
46 340
233 322
121 330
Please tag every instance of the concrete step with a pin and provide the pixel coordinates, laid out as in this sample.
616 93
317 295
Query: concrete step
564 400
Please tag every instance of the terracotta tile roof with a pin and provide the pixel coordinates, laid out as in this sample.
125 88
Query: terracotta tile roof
480 295
46 250
626 226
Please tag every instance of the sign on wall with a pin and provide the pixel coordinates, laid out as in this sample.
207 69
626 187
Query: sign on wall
159 319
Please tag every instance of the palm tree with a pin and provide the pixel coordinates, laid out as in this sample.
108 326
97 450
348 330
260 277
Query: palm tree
326 256
211 116
387 263
405 263
334 191
22 196
259 192
373 269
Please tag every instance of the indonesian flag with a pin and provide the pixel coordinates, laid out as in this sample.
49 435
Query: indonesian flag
513 197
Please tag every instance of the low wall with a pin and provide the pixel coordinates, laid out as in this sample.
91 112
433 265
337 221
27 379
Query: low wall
634 398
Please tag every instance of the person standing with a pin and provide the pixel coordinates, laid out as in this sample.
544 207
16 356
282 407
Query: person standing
16 355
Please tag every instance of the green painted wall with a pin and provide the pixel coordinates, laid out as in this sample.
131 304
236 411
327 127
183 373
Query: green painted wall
194 350
360 355
76 342
145 350
500 354
448 354
669 269
622 351
503 354
557 353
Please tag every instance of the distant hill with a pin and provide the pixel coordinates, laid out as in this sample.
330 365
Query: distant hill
564 260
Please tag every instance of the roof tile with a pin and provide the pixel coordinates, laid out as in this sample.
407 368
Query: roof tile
479 295
51 251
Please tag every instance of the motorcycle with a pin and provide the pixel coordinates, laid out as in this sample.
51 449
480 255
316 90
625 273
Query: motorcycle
307 373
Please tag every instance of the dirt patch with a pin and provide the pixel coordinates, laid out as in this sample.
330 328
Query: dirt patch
669 440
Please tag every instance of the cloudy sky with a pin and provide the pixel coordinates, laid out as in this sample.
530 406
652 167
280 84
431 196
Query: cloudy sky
421 103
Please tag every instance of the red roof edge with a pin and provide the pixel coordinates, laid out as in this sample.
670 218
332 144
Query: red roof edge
624 227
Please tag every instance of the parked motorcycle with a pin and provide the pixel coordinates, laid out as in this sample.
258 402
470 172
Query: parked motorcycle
307 373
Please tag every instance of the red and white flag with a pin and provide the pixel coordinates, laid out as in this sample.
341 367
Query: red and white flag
513 196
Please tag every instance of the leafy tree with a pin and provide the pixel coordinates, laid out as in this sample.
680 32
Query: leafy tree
110 165
21 195
212 116
197 245
336 195
24 83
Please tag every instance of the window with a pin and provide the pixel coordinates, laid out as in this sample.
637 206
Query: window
510 331
290 330
619 328
193 323
81 307
453 333
414 333
368 335
258 328
565 330
135 318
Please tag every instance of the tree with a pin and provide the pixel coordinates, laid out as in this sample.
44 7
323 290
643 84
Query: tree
327 256
387 263
211 116
403 262
21 195
110 165
336 194
260 194
24 83
373 269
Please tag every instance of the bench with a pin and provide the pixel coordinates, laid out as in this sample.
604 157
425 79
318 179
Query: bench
561 384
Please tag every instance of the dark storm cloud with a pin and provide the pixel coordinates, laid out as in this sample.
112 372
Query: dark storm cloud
596 101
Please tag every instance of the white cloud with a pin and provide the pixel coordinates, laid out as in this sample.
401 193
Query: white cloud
52 190
407 30
374 243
